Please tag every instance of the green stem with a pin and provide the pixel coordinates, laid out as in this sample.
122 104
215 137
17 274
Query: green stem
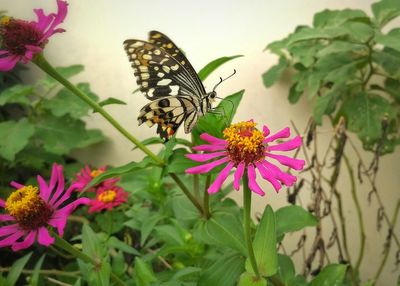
44 272
206 198
186 192
387 248
246 222
42 63
359 213
62 243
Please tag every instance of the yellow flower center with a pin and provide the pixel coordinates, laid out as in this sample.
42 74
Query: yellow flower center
28 208
107 196
245 142
5 20
95 173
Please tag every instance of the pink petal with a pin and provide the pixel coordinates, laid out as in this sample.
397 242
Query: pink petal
269 177
296 164
238 175
266 131
8 62
205 157
44 237
45 191
8 229
54 177
284 133
59 218
11 239
6 217
2 203
212 140
206 167
254 187
30 52
16 185
285 178
60 187
43 21
59 18
287 146
209 148
216 185
27 242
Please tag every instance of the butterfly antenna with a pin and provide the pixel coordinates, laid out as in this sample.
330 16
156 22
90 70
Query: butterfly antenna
221 80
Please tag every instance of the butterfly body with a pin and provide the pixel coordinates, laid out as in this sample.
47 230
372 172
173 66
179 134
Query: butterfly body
167 78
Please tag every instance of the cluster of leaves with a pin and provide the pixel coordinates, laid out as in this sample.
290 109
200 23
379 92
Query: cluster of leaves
349 67
38 127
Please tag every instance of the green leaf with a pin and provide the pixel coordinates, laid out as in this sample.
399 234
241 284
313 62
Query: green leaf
390 41
364 114
385 10
148 225
293 218
34 281
111 221
340 47
275 72
16 94
16 270
91 243
214 124
334 18
389 60
358 31
60 135
223 229
392 86
121 170
144 275
114 242
179 163
326 104
66 102
265 245
66 72
294 93
224 271
307 33
158 140
248 279
14 137
331 275
210 67
286 271
111 100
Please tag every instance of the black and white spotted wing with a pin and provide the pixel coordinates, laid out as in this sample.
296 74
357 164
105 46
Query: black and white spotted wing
167 78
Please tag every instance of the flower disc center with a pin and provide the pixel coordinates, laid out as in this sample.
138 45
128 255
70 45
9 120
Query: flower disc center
107 196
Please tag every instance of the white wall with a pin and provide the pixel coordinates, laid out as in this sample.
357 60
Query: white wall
205 30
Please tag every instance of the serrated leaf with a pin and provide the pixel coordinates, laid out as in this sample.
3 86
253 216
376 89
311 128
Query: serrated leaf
16 94
293 218
224 271
248 279
331 275
144 275
333 18
385 10
389 41
14 137
111 100
36 271
265 245
121 170
65 102
275 72
210 67
16 270
62 134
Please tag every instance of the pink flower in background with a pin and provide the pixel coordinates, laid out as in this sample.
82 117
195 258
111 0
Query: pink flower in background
21 39
86 175
108 198
247 149
31 210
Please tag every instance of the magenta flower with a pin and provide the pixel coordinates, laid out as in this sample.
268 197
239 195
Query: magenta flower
21 40
86 175
247 149
31 210
108 198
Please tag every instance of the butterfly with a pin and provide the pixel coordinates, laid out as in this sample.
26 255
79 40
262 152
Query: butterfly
167 78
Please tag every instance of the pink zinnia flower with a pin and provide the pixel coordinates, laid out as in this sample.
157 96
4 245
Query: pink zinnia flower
247 149
21 40
86 175
108 198
30 210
